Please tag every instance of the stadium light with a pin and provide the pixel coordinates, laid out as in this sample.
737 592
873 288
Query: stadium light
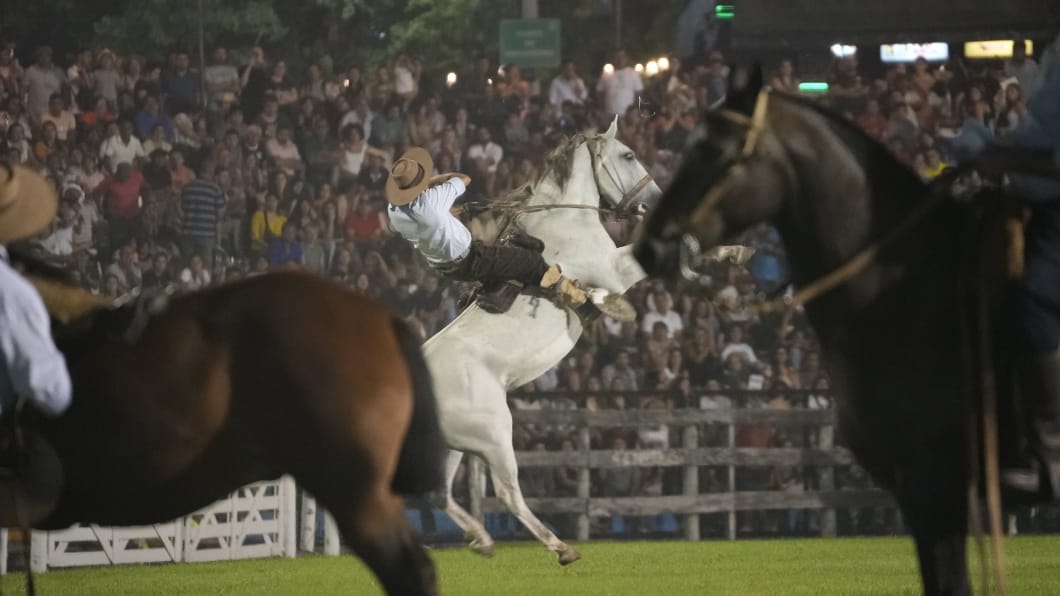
450 79
652 68
724 12
639 67
609 69
664 63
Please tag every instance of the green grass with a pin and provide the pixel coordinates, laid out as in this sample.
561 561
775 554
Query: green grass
819 567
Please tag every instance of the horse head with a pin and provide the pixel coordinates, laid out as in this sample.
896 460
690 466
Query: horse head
622 180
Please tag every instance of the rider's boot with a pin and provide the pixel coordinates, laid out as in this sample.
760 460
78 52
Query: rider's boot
1037 477
569 293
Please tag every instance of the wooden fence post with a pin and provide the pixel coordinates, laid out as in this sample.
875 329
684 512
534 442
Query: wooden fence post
584 484
690 440
826 440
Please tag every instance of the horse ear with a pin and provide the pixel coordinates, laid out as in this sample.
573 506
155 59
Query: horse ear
744 86
613 129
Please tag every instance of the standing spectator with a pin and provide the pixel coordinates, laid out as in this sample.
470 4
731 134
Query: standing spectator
254 82
179 172
106 78
201 204
314 253
485 155
121 204
567 87
619 89
785 79
1020 65
222 87
266 224
180 85
43 80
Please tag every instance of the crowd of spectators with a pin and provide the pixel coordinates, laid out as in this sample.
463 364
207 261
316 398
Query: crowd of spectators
168 175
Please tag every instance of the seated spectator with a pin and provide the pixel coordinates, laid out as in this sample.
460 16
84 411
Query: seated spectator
149 117
622 368
179 172
195 276
121 146
314 253
59 116
48 144
126 269
366 222
156 141
284 152
158 276
266 224
661 310
736 344
285 252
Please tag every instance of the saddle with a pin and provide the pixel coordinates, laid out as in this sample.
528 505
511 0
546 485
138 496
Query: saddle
497 298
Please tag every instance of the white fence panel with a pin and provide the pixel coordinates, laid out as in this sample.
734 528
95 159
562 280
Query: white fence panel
255 521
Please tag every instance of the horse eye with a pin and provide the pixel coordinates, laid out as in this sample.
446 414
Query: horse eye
630 156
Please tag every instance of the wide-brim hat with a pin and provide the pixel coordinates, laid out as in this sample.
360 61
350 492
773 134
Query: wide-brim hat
409 176
27 202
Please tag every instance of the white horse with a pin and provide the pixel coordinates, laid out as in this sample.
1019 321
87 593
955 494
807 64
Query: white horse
479 357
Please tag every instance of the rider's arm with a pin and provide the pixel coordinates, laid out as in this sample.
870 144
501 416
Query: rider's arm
35 367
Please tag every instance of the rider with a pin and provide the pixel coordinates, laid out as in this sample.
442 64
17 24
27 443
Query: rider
1036 150
32 366
419 210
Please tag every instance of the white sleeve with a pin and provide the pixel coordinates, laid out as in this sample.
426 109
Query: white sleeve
36 367
451 191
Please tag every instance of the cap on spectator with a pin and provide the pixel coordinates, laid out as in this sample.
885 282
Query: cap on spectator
27 202
409 176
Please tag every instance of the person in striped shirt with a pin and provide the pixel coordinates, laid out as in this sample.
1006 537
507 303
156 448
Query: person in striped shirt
201 206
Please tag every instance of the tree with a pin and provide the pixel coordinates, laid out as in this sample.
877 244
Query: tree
155 26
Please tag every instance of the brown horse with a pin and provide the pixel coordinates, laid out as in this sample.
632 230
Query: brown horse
280 374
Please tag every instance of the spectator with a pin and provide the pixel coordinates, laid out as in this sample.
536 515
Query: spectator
621 368
122 201
662 311
738 345
567 87
485 155
195 276
222 87
286 252
267 224
201 206
180 85
150 117
43 80
284 152
619 88
106 78
60 117
121 147
158 276
1021 66
126 269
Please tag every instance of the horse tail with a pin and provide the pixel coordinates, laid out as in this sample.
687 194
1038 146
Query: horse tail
421 465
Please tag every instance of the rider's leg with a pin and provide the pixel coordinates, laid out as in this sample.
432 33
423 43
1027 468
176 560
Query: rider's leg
497 264
1038 306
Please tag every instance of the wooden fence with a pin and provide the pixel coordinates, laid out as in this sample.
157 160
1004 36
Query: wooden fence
690 456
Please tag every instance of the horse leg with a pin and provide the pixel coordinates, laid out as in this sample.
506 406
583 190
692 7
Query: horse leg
937 514
505 474
481 541
376 529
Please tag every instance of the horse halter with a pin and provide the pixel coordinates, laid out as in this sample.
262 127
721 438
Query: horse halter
622 209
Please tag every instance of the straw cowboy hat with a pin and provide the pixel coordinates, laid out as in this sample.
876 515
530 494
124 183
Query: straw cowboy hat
27 202
409 176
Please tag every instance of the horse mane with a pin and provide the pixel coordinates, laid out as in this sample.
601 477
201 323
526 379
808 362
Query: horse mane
559 166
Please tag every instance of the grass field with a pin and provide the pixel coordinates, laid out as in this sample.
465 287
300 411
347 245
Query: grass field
819 567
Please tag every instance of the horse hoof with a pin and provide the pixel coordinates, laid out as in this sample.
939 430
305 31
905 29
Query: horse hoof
568 556
486 550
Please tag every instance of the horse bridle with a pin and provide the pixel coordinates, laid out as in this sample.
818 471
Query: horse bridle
689 247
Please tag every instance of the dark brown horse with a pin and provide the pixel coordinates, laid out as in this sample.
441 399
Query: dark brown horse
280 374
893 334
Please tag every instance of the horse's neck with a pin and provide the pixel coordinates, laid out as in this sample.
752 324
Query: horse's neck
573 237
850 196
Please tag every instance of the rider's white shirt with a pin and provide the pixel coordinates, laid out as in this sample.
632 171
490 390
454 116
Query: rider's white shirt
427 223
31 365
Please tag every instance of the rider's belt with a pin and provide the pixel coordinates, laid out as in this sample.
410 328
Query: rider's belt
451 266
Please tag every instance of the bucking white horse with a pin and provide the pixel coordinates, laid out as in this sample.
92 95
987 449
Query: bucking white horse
480 356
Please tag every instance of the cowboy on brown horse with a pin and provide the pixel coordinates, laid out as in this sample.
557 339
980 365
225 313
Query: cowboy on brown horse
420 210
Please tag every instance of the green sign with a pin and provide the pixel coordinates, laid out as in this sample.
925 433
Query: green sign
531 43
